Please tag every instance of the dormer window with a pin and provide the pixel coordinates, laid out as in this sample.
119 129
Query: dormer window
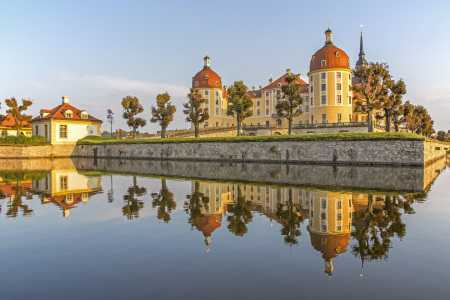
217 83
69 114
323 63
84 115
279 84
196 83
206 76
338 54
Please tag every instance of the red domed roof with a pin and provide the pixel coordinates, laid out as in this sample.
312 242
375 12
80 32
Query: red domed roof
207 78
330 245
333 56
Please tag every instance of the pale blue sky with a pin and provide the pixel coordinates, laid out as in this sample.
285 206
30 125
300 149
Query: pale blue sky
97 52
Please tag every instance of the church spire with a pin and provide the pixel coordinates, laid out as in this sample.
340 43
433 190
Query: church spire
206 62
362 56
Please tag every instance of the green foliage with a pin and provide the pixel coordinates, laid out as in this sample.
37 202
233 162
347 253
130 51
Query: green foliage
16 111
267 138
194 111
240 215
163 112
23 140
373 79
289 107
164 202
133 205
392 101
239 103
290 218
131 108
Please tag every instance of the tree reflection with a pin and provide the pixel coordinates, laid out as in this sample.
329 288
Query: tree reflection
16 204
240 216
164 202
375 227
132 204
291 220
196 203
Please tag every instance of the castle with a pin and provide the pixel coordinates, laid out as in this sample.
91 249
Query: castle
327 98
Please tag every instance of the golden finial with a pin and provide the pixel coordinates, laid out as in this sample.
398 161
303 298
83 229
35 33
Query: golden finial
362 27
329 25
206 52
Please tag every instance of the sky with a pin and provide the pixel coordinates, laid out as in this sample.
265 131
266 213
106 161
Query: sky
98 52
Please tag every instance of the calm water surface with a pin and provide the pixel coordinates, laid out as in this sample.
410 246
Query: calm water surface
171 230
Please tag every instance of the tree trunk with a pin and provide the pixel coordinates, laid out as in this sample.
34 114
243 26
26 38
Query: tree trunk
370 121
397 129
388 122
111 131
134 133
163 131
290 126
238 127
196 130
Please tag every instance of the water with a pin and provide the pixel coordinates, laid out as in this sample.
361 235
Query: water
169 230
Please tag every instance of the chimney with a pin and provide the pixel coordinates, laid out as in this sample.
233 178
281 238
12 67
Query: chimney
253 88
288 71
65 100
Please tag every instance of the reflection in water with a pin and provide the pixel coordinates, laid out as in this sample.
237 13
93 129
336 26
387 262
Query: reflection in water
133 205
164 202
363 222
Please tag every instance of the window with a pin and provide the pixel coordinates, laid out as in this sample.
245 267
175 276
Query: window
349 100
338 74
217 101
300 108
324 99
206 93
324 118
339 217
68 115
338 86
206 102
4 133
267 111
307 108
312 101
339 204
196 83
323 216
349 202
278 92
69 199
258 103
312 78
323 75
267 102
84 116
349 77
300 123
339 99
278 100
339 117
350 87
63 183
323 63
324 228
267 94
324 201
307 122
307 98
46 131
63 131
217 83
258 112
338 54
217 111
279 84
312 89
206 77
217 93
36 130
324 87
254 94
217 124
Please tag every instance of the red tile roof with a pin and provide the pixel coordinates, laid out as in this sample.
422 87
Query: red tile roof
280 80
333 60
207 78
254 94
58 113
9 122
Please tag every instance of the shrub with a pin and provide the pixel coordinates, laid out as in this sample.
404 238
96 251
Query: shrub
23 140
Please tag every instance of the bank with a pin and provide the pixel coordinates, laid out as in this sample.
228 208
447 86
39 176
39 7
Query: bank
344 148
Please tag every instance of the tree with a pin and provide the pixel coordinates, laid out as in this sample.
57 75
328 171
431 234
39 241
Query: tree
196 202
111 119
164 201
239 103
392 101
373 79
289 107
240 216
132 204
194 111
417 119
131 108
163 112
16 111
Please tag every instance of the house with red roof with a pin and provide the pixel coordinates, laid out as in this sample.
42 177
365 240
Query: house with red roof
6 127
65 124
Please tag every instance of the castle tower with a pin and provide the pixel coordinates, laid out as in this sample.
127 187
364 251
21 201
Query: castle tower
330 84
209 84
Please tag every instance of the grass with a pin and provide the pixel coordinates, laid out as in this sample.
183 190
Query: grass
267 138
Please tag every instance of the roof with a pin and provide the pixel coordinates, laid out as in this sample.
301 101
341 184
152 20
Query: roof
254 94
9 122
208 223
280 80
58 114
333 60
207 78
330 245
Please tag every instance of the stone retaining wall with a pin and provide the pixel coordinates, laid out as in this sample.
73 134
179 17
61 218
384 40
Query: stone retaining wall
48 151
367 152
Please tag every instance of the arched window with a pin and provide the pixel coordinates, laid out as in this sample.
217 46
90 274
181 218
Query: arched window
206 76
323 63
196 83
217 83
338 54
